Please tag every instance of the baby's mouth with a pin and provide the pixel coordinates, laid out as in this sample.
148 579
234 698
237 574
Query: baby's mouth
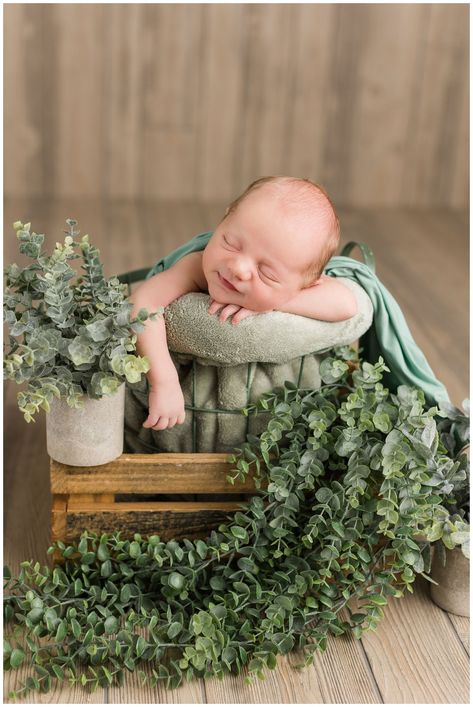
227 284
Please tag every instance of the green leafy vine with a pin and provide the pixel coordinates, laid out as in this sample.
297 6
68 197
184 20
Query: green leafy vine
354 484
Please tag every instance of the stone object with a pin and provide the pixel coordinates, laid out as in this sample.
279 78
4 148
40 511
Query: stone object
87 436
453 590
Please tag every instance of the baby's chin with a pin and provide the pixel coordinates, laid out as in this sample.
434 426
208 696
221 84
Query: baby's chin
219 295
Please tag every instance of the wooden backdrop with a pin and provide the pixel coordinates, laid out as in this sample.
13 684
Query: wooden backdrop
195 101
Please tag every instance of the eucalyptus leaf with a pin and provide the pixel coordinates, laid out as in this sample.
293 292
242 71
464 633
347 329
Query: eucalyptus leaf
17 657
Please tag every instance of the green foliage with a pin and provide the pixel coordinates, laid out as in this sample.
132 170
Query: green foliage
354 484
69 335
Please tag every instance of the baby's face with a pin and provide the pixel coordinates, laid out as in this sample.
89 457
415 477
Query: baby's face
257 254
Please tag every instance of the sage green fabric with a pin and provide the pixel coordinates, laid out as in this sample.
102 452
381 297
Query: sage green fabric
195 244
272 337
389 336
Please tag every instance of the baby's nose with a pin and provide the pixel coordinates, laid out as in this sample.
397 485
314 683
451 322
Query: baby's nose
241 269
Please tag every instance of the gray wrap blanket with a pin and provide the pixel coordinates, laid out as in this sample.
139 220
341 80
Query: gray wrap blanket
232 366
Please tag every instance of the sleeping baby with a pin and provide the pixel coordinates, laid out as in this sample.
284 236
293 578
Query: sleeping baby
268 253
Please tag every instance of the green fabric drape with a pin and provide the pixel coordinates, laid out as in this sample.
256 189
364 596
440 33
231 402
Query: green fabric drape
197 243
389 336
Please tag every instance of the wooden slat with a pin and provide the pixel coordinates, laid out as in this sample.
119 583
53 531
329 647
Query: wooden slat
281 686
460 178
123 109
414 634
306 140
150 473
268 90
166 520
152 506
224 38
27 503
382 99
342 673
23 144
93 498
77 82
442 79
58 517
170 53
461 625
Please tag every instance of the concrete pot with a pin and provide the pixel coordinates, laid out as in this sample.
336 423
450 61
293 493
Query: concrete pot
88 436
453 590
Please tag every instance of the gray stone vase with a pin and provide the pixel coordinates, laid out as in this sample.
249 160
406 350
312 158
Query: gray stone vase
87 436
453 590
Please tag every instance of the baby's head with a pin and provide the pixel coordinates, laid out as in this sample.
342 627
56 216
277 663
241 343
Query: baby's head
273 241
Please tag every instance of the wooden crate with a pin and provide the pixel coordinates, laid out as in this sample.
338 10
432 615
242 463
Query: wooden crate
89 498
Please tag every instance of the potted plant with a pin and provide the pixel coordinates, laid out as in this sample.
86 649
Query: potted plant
72 345
352 480
451 533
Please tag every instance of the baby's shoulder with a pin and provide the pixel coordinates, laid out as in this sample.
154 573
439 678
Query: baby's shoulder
194 262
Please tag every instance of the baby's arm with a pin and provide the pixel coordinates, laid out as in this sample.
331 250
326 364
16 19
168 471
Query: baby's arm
166 402
329 300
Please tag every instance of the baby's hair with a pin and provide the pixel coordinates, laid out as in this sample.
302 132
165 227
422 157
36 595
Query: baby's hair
305 194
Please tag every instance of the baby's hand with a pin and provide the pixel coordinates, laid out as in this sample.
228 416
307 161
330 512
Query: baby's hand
238 312
166 405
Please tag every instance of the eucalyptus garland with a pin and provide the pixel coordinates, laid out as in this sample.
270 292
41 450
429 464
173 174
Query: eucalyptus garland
354 484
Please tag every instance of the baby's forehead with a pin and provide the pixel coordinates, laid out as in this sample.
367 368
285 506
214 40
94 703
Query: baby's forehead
296 203
293 249
303 220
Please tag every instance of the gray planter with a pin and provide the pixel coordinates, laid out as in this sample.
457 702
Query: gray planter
88 436
453 590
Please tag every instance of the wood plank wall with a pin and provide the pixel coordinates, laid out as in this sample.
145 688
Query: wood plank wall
195 101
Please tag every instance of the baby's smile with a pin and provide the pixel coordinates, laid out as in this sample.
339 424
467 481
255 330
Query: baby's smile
227 284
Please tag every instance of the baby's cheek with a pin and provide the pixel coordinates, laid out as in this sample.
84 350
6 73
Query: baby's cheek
262 302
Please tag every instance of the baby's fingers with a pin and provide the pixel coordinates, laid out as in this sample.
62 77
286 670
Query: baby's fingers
151 420
242 314
162 423
228 311
214 306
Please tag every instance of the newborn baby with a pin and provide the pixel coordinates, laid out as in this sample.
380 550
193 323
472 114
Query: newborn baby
268 253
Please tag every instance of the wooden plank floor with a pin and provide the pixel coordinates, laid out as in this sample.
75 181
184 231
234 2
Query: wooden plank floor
419 653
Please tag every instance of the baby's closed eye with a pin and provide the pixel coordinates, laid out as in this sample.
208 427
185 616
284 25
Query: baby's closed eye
267 275
230 246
